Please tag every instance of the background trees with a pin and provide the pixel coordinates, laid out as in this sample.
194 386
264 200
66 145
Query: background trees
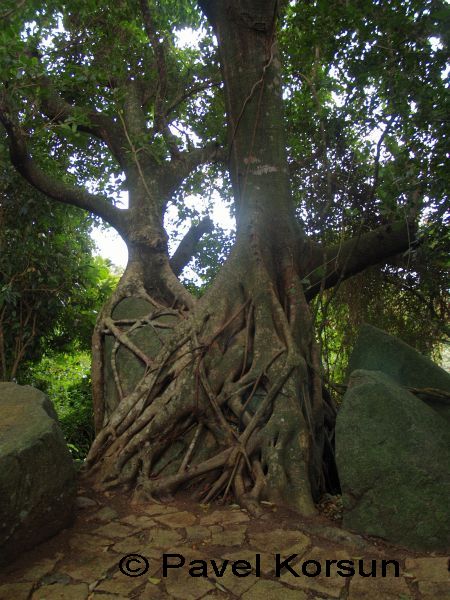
51 287
51 290
368 93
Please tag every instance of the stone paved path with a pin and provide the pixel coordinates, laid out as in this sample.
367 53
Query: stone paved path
82 563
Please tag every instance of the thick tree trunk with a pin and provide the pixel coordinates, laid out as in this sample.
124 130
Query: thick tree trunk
148 289
232 401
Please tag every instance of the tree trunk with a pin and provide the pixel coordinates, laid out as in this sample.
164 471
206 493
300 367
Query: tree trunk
232 401
227 398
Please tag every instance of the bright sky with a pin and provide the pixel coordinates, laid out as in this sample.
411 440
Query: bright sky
110 245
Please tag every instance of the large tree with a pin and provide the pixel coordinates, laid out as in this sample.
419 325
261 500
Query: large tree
227 396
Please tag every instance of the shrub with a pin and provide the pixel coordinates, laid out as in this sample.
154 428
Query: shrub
66 380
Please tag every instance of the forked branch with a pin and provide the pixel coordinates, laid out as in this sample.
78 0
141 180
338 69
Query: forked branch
158 45
189 244
92 122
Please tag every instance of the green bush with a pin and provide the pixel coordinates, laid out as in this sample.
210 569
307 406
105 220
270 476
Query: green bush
66 380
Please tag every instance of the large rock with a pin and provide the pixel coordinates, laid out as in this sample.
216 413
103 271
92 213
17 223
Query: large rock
393 457
376 350
37 475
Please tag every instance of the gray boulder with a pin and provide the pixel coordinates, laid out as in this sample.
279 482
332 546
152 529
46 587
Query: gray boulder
393 453
376 350
37 475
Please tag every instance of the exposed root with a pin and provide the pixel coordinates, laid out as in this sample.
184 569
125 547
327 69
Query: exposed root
232 405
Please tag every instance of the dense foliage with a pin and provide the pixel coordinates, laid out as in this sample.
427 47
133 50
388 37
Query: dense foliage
51 289
66 379
367 99
51 286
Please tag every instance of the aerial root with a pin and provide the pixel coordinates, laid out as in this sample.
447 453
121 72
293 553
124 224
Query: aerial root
127 444
168 404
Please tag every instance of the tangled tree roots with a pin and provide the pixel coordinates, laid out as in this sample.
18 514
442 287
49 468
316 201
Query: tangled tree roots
230 406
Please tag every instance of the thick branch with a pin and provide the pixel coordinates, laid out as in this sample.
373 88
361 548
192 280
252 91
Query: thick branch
158 48
188 245
96 124
341 261
56 189
59 110
211 152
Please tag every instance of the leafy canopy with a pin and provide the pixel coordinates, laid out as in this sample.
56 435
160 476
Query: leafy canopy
366 99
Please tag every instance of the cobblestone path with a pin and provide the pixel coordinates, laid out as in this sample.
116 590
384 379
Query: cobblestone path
82 563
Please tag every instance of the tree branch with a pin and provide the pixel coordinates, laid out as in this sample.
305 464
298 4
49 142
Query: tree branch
96 124
341 261
188 245
211 152
54 188
161 91
179 168
195 88
376 170
440 321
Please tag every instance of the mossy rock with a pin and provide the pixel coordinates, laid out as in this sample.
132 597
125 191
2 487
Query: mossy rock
376 350
149 338
37 474
132 308
392 453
